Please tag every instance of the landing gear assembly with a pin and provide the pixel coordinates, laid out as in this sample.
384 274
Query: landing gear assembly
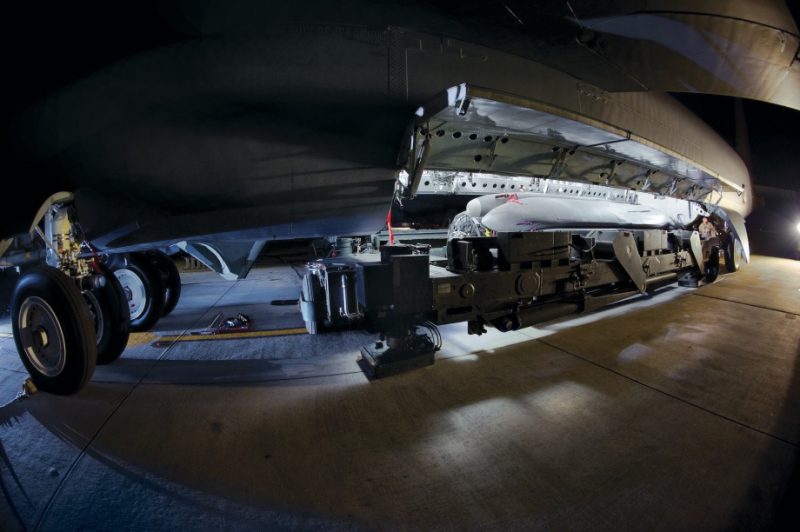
68 313
73 308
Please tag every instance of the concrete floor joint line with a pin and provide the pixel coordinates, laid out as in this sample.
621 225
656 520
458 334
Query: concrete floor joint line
82 452
709 296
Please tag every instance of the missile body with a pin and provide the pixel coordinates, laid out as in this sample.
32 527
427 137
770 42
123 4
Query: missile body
619 209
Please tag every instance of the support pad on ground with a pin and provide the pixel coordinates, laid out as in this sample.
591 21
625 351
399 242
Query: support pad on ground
378 360
689 280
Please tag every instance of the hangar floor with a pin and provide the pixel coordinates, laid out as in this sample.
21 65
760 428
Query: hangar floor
677 411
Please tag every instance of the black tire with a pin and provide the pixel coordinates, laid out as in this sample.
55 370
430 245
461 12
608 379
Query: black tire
733 255
144 290
8 278
170 277
109 309
712 265
53 331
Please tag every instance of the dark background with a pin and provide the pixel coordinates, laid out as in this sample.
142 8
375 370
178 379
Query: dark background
774 148
46 46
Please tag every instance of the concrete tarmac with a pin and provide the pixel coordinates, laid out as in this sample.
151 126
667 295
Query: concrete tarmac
675 411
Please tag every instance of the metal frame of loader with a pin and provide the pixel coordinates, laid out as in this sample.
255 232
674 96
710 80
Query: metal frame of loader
508 281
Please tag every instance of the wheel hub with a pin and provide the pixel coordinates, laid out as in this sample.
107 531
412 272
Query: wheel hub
41 336
135 291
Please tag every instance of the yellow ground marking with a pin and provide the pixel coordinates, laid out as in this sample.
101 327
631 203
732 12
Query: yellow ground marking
137 339
142 338
230 336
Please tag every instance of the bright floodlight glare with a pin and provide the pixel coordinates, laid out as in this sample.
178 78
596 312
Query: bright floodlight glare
798 227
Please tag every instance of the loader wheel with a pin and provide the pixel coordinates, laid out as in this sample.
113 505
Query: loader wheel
712 265
733 255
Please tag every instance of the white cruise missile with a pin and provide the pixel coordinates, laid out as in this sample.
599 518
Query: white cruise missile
600 207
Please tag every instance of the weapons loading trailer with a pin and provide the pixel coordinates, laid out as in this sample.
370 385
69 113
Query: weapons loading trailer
508 281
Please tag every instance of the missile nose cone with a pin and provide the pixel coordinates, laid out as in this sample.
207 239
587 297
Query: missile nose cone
481 205
507 218
474 208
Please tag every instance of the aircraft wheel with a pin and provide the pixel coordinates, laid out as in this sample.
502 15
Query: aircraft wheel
144 290
109 309
733 255
712 265
171 279
53 331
